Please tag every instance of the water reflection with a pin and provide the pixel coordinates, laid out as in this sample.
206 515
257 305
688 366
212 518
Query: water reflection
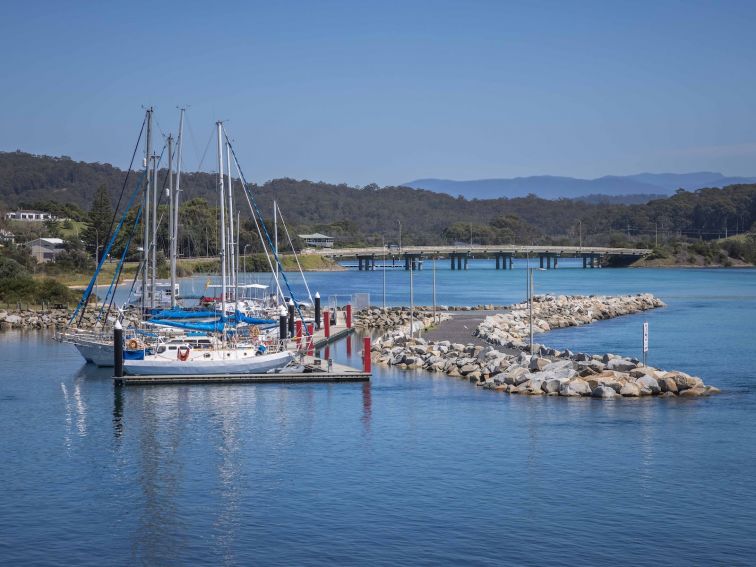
118 411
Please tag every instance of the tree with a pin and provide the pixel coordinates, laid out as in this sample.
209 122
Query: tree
99 220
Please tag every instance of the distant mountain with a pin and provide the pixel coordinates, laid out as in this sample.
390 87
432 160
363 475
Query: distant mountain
619 188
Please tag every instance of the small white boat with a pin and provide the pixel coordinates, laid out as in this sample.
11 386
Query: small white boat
180 359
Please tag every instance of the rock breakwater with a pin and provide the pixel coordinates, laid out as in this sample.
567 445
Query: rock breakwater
512 328
604 377
546 371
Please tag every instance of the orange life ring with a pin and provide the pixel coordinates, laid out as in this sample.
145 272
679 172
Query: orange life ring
133 344
182 353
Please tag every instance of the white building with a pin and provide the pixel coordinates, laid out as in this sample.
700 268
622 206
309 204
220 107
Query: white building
7 237
45 249
30 216
317 240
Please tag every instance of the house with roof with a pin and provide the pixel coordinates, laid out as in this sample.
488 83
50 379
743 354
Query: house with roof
30 216
317 240
45 249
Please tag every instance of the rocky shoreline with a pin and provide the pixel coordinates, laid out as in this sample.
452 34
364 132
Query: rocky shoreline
53 319
546 371
512 328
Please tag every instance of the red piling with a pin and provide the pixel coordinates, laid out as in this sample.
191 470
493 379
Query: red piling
366 355
326 323
298 327
349 316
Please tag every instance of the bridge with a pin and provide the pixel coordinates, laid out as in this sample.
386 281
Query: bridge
458 255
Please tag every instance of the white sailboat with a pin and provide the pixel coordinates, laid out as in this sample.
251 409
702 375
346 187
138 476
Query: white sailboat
250 358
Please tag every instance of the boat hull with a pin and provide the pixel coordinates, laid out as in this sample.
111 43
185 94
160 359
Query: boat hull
99 354
160 366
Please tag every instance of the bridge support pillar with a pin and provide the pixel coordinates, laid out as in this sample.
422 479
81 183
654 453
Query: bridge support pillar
366 263
502 260
451 257
540 258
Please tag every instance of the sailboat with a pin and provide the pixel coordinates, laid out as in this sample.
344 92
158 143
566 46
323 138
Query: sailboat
234 355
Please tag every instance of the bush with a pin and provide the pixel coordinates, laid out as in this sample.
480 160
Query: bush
9 268
28 290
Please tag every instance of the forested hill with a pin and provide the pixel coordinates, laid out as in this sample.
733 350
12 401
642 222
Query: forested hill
357 215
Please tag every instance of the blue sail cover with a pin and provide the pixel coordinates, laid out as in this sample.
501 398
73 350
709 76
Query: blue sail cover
182 314
209 327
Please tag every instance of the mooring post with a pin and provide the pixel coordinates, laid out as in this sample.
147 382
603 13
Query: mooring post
349 316
291 318
326 324
118 349
317 310
366 355
282 323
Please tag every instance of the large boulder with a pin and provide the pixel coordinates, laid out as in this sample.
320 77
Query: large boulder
575 387
630 390
537 363
684 381
604 392
667 384
620 365
648 385
551 386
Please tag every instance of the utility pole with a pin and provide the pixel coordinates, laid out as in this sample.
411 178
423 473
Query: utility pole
412 300
385 259
434 289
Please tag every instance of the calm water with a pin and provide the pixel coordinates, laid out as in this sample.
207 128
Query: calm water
410 469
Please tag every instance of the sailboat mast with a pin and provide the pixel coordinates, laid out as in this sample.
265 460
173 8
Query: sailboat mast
171 227
222 224
275 243
153 241
179 145
231 232
146 210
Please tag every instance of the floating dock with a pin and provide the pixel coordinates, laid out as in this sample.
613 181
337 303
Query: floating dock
314 370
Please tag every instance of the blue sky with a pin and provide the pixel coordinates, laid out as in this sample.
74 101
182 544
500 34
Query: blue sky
385 92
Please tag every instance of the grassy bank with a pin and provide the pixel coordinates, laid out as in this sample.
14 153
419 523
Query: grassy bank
734 252
190 266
